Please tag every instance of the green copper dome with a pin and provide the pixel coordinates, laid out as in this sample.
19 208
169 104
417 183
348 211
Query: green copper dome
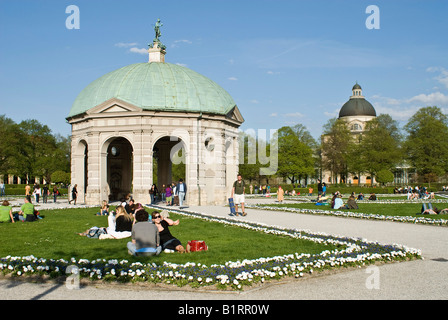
156 86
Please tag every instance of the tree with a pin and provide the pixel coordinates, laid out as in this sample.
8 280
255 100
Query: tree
43 152
178 169
60 177
384 176
7 142
426 143
337 143
29 149
379 146
295 152
12 155
249 166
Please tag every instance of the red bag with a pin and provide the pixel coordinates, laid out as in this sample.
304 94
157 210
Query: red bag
197 245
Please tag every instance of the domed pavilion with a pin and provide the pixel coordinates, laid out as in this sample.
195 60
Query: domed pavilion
132 124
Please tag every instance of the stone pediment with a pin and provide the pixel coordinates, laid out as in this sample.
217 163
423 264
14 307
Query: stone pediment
235 115
113 106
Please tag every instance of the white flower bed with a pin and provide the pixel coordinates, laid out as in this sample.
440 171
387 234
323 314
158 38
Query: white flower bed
233 274
351 214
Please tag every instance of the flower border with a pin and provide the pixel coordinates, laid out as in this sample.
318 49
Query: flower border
351 214
233 274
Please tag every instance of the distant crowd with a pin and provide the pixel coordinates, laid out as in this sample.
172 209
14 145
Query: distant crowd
418 192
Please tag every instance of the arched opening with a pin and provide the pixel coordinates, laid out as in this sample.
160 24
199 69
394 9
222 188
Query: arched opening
119 168
169 162
86 168
80 174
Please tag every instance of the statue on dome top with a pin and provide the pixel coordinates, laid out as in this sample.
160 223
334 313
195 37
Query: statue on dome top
157 30
158 35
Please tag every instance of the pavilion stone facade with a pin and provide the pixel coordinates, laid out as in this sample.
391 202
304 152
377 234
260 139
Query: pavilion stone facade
211 168
114 145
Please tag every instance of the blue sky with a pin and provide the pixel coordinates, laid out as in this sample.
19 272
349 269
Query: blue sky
284 61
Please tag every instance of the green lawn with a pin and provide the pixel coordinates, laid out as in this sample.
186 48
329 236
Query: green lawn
399 209
56 237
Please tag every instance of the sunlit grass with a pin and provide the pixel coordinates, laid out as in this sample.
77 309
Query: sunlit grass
56 237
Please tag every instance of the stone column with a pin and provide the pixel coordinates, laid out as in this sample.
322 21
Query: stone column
93 195
142 169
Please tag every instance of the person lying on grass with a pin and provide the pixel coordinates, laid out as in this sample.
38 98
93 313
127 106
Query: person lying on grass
435 211
119 226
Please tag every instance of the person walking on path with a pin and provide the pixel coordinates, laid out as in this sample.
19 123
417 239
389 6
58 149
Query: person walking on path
319 187
37 193
238 194
2 189
74 194
27 190
280 194
181 190
45 193
55 193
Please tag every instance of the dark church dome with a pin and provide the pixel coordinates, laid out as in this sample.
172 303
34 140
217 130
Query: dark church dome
357 105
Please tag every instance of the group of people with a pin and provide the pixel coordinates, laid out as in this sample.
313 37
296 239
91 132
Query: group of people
27 212
265 190
150 233
337 203
43 192
174 194
281 193
321 188
418 192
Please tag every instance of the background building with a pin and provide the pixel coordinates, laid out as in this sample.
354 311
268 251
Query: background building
356 112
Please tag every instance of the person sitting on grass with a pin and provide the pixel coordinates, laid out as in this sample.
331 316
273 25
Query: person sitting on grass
26 212
104 209
333 200
123 220
6 212
338 203
145 236
130 207
139 206
168 242
351 203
